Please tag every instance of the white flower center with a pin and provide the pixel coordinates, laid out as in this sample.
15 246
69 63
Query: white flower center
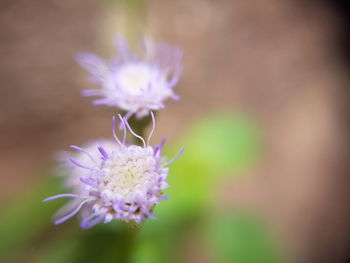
129 172
134 78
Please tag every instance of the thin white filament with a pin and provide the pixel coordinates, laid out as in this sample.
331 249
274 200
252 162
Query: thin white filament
133 133
153 128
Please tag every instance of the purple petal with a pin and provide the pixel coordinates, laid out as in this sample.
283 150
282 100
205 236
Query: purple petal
71 214
91 92
91 220
163 198
102 101
78 164
83 151
159 148
175 158
150 215
61 196
123 47
94 64
103 152
88 181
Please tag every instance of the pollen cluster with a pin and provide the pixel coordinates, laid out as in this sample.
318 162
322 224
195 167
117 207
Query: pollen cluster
129 171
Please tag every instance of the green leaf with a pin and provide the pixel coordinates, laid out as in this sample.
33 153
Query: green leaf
218 145
241 238
147 252
27 216
223 142
61 249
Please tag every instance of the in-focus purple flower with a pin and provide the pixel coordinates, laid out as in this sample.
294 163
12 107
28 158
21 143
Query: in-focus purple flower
134 83
123 182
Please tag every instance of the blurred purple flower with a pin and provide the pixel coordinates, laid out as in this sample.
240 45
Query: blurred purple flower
123 182
134 83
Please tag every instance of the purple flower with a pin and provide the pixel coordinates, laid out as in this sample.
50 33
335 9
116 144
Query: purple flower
136 84
123 182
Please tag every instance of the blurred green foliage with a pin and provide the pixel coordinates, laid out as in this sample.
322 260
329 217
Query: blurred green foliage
218 146
26 217
240 237
131 3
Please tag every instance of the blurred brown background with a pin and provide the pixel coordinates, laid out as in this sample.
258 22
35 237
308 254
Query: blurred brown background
282 61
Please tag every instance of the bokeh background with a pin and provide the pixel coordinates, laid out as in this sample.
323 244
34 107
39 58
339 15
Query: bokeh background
263 115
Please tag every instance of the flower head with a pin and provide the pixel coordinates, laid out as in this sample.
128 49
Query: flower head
123 182
136 84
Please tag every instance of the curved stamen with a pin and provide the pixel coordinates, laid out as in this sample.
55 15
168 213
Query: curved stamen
153 127
83 151
90 221
67 208
71 214
124 128
127 117
133 133
113 131
175 158
61 196
78 164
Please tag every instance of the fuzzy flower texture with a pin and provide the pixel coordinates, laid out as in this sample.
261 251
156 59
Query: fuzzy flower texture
116 182
134 83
